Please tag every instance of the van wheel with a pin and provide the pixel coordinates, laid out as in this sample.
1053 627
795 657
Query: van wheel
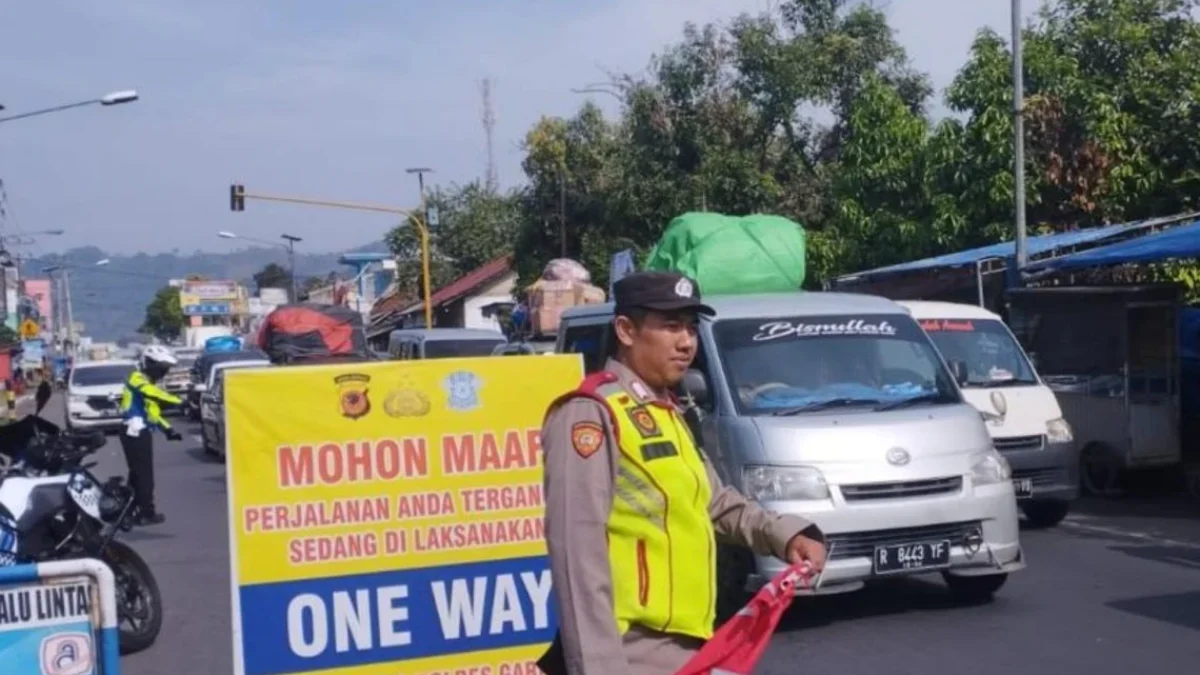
734 566
1044 514
974 590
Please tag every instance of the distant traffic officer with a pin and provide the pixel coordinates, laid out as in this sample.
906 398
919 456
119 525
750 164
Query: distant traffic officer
633 507
141 409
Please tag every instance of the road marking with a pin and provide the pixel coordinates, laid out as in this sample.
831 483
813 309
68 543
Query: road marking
1072 522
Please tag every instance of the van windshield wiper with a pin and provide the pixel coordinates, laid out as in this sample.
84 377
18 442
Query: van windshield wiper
825 404
996 384
932 397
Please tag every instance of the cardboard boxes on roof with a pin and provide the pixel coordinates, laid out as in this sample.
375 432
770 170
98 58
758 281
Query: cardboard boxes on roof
564 284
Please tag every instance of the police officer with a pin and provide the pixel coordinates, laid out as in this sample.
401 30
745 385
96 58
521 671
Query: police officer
634 509
141 409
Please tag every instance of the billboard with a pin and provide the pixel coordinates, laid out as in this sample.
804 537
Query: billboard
39 291
212 298
386 518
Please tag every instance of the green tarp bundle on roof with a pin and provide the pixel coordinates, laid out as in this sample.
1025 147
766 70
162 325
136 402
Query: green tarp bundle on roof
729 255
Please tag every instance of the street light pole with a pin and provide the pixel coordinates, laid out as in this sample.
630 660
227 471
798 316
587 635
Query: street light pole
115 98
424 232
291 246
1018 140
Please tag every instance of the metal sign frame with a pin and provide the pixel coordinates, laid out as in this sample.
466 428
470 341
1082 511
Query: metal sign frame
105 636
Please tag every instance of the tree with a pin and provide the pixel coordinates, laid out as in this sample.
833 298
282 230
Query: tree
475 226
164 316
272 275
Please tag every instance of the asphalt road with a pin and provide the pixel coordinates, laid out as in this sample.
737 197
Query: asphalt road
1113 591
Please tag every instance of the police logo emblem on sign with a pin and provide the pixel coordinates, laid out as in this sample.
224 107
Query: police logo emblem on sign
67 654
354 397
586 438
644 421
406 402
462 390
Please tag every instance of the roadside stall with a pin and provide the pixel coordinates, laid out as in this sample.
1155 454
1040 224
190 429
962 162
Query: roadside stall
1111 355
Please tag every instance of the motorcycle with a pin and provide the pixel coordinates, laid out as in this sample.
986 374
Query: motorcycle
53 508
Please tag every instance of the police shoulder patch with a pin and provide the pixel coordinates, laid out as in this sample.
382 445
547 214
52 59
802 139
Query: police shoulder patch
644 422
586 438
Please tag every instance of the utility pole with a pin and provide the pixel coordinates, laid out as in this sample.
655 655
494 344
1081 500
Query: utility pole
66 282
291 245
562 213
1018 139
428 280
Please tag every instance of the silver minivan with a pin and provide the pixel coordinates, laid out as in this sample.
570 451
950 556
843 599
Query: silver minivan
441 343
838 408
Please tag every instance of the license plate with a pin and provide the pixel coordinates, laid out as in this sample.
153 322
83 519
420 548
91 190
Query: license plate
923 555
1023 487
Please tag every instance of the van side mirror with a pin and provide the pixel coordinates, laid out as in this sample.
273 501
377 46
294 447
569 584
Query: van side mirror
695 386
959 370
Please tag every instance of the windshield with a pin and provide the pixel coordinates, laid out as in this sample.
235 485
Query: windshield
441 349
792 365
99 376
991 354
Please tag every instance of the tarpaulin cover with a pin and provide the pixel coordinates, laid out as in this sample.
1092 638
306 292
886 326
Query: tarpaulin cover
732 255
311 332
737 646
1182 241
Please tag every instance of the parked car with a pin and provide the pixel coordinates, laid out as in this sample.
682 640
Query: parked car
1022 414
838 408
212 404
179 377
201 370
94 391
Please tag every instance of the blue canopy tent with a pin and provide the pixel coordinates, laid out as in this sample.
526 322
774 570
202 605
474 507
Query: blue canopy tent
1034 246
1182 241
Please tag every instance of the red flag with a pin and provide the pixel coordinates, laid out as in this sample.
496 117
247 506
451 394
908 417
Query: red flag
737 645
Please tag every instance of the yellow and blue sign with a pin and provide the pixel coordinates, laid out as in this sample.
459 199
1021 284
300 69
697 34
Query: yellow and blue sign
387 517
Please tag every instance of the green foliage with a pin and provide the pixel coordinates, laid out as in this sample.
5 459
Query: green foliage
8 336
475 226
164 316
272 275
812 111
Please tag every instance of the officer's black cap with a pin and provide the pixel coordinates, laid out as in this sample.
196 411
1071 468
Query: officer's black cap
658 292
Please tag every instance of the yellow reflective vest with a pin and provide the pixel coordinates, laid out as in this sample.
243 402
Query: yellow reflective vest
661 544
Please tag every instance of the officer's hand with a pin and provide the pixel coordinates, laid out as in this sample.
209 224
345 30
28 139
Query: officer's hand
173 435
802 549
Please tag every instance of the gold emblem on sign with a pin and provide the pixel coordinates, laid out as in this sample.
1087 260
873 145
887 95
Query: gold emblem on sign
406 401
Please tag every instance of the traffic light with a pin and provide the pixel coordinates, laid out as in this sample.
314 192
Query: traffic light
237 197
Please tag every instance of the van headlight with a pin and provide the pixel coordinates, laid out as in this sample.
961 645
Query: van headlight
783 483
1059 431
990 468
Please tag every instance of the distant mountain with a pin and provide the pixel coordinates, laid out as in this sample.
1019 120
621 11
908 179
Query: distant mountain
110 300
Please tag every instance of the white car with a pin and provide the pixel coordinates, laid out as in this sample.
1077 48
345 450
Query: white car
212 404
94 391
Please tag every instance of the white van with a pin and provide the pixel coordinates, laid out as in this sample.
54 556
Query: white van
838 408
1021 412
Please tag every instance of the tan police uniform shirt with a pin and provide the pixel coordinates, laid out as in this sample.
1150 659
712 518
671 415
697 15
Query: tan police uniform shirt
579 497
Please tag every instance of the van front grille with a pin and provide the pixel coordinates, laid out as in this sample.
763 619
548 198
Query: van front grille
902 490
862 544
1017 443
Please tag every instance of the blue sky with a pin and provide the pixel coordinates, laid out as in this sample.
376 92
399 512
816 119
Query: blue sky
319 98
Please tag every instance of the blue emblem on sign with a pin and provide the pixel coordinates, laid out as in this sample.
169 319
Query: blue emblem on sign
462 390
